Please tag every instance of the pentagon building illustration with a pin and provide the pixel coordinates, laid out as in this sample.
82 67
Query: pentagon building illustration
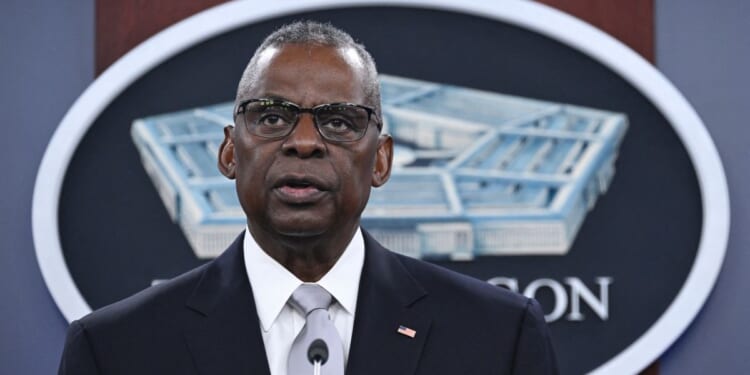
476 173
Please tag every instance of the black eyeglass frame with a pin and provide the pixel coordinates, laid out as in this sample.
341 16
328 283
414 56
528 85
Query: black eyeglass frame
312 111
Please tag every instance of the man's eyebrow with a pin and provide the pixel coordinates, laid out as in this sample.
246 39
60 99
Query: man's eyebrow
274 96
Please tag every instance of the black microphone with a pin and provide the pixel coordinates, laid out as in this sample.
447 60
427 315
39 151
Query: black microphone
317 352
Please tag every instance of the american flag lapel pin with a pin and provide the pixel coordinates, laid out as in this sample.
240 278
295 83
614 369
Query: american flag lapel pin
406 331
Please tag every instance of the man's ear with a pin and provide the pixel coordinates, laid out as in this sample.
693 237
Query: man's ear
227 162
383 161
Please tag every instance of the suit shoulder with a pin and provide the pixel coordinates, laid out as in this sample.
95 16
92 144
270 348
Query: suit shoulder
450 285
149 304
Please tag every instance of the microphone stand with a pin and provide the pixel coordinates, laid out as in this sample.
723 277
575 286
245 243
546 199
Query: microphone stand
316 367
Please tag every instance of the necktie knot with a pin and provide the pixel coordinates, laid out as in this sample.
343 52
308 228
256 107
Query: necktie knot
309 297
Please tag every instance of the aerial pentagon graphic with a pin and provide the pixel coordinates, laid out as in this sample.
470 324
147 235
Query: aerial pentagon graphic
475 173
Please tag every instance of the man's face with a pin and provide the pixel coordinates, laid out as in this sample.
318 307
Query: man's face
302 185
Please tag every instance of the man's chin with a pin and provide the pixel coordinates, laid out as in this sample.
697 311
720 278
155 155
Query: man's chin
301 232
300 229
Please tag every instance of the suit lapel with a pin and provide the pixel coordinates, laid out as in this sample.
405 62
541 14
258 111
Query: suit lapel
388 298
222 331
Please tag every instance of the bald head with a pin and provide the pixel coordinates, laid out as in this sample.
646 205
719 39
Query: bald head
313 34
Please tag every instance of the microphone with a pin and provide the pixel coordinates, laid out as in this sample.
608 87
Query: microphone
317 354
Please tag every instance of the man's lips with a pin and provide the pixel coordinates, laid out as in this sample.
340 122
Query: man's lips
300 189
299 192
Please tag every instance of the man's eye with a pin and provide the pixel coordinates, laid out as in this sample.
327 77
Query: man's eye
272 120
337 125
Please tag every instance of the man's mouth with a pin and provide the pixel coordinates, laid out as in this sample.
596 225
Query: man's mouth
299 190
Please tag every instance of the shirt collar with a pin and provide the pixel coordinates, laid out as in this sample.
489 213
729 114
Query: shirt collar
272 284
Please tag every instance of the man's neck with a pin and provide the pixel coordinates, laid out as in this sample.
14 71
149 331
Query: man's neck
309 258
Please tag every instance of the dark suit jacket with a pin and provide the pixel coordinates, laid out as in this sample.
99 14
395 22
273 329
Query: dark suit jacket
205 322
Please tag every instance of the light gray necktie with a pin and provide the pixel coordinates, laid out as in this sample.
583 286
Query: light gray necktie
312 301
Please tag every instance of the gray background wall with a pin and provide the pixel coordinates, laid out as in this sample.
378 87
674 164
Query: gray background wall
47 61
703 47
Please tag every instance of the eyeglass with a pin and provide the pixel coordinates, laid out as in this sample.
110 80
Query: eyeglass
273 118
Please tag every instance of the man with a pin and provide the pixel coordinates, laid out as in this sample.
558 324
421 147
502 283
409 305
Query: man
305 150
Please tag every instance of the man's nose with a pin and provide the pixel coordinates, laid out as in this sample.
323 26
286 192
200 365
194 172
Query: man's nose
304 141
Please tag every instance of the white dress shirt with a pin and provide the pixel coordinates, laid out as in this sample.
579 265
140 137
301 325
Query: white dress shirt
273 284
